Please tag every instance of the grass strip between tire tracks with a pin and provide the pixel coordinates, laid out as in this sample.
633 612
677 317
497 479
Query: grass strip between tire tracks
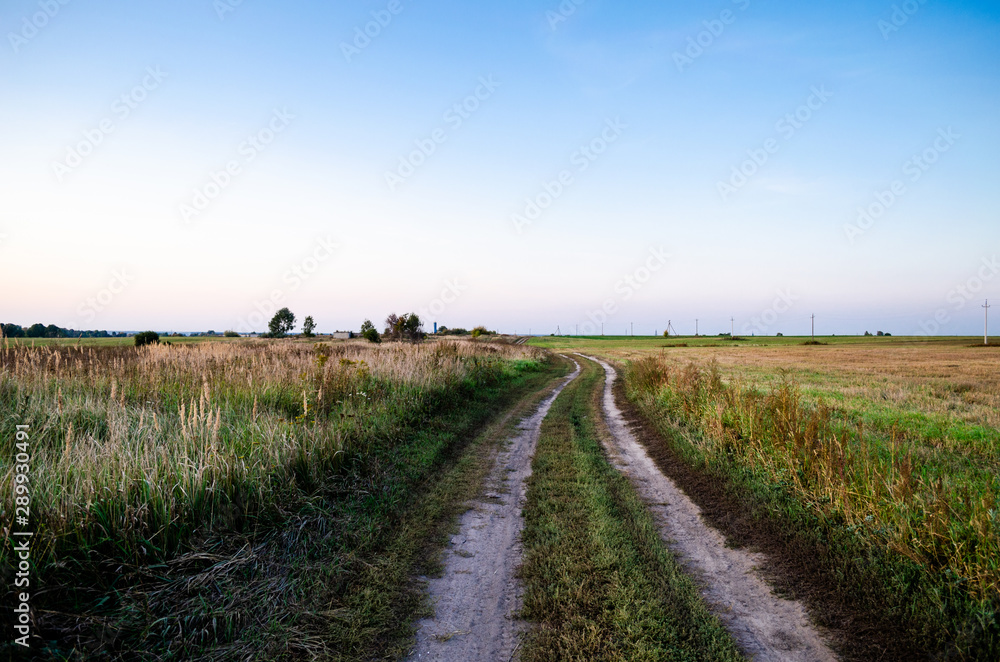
599 581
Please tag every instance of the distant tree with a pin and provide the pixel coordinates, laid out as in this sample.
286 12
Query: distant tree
392 327
867 333
12 330
482 331
780 334
404 327
147 338
369 332
413 328
230 334
879 334
35 331
308 326
282 322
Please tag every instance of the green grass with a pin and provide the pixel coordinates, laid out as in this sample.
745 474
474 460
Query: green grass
599 582
910 529
289 529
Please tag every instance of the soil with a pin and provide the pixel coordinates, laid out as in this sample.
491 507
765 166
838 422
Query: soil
766 627
477 597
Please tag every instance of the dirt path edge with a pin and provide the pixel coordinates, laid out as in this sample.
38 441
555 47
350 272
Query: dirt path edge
767 628
478 594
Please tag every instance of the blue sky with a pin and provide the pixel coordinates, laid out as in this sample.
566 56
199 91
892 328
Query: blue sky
356 187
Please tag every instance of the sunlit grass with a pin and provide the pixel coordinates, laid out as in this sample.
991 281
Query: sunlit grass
883 475
132 449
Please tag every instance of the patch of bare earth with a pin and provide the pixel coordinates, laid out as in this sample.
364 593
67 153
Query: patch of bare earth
765 626
476 598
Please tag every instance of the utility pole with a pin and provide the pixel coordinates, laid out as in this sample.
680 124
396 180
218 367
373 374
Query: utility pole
632 326
602 328
696 327
558 331
986 328
814 327
732 327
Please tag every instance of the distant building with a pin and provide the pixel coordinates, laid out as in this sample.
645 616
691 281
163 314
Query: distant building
342 335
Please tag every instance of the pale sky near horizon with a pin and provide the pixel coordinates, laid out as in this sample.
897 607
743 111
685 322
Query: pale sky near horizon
523 165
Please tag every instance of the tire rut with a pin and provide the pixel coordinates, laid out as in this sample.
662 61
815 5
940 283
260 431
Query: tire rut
766 627
477 596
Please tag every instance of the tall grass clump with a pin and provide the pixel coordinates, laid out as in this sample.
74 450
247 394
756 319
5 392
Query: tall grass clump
133 449
930 517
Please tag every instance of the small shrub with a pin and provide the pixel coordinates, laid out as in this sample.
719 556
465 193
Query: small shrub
369 333
147 338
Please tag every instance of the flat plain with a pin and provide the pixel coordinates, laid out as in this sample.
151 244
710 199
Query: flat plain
248 499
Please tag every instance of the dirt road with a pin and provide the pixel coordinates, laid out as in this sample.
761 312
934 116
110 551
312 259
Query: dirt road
766 627
474 601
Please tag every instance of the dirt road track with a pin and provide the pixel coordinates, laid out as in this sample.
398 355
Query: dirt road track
766 627
474 601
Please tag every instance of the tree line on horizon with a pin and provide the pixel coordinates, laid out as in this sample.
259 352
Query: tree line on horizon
52 331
